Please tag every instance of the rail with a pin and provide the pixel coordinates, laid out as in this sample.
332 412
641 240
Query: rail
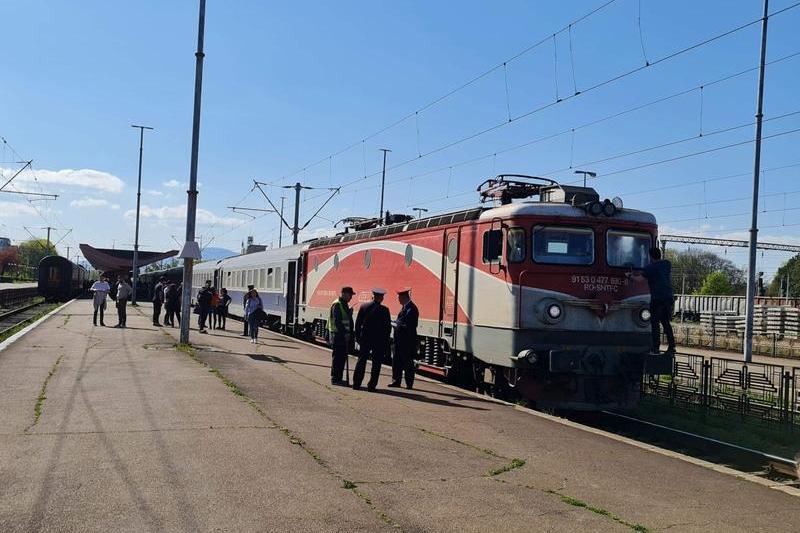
761 391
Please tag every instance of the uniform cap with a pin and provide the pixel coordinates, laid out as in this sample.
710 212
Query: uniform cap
406 290
378 290
251 287
348 290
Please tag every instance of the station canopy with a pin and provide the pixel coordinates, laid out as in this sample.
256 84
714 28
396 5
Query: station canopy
111 260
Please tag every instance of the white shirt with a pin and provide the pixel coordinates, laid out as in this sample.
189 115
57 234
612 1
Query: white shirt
100 289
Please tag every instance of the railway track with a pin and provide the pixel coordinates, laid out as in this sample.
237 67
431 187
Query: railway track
14 317
778 469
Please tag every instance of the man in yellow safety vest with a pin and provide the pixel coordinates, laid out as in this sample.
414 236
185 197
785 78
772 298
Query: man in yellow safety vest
340 333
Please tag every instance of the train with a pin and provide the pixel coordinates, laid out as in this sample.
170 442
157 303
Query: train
529 296
60 279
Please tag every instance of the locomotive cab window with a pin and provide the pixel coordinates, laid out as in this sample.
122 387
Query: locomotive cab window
628 249
563 245
492 245
515 245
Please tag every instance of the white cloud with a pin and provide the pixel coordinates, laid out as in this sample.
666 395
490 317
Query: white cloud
178 213
154 192
86 177
172 184
13 209
93 202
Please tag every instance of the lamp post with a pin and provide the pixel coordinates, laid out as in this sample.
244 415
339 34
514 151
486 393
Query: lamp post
138 205
383 181
191 250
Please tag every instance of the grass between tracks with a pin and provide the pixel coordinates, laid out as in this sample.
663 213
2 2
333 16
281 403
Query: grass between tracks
569 500
46 308
769 437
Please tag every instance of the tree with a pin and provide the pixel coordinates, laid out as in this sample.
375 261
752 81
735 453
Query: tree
690 268
791 268
34 250
7 257
716 283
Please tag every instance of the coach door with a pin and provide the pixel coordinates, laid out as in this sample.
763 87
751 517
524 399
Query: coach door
290 288
449 286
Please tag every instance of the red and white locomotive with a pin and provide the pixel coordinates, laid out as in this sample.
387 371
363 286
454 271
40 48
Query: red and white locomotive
529 295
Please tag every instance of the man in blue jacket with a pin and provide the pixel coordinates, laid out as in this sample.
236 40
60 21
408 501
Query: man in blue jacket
373 327
405 340
662 299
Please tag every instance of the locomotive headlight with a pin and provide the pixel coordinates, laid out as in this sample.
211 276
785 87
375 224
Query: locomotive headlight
644 314
554 311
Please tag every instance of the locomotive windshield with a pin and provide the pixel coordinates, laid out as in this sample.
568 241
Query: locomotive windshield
563 245
629 250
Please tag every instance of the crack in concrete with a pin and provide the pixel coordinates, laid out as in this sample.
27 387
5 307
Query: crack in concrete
37 408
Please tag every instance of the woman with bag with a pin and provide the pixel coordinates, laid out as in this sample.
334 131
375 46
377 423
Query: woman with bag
253 312
222 307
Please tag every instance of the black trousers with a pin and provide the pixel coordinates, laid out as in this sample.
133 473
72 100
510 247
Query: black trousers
202 317
102 309
405 351
122 312
660 315
156 312
338 358
374 354
246 330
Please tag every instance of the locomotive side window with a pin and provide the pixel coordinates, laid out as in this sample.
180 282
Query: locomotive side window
626 249
563 245
515 245
492 245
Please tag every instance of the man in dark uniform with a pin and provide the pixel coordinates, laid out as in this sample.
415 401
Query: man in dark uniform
158 299
204 305
405 340
373 326
244 306
340 333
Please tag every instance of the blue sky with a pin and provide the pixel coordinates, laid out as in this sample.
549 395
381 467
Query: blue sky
287 84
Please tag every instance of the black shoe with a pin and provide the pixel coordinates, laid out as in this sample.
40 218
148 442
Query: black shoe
370 389
409 387
356 387
394 384
103 324
95 323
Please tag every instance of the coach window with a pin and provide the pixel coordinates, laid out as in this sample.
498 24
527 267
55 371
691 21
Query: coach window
278 280
270 279
559 245
492 245
515 245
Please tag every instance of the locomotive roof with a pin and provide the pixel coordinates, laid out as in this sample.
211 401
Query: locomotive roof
561 210
483 213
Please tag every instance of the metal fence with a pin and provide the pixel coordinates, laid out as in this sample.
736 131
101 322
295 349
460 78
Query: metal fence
755 390
15 297
773 344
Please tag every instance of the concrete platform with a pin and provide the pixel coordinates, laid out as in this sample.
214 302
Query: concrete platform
134 435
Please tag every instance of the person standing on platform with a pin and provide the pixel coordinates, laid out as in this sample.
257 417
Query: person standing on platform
212 312
222 307
100 288
252 314
373 327
124 291
170 302
405 340
340 333
204 305
158 299
244 308
662 299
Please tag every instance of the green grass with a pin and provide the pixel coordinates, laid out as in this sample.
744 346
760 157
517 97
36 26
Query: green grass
575 502
513 465
46 308
769 437
37 409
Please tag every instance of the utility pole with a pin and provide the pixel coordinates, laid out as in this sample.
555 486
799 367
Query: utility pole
280 226
135 268
190 250
298 187
419 211
586 173
751 272
67 253
48 228
383 181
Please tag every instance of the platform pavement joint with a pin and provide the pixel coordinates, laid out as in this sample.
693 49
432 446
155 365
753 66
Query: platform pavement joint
369 445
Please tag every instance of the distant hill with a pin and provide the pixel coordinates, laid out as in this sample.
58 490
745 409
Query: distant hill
210 254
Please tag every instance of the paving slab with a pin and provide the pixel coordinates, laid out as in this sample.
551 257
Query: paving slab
135 435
